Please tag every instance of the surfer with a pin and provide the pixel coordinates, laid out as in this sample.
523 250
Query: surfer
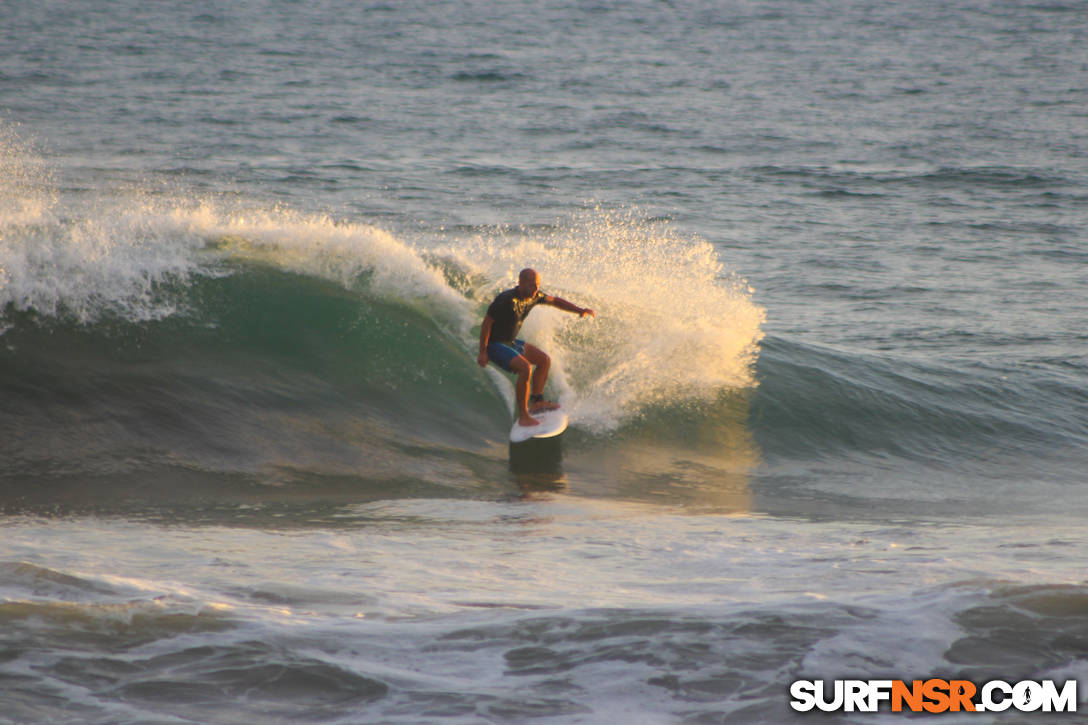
499 343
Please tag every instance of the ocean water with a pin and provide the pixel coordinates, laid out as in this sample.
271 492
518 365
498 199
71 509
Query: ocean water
829 422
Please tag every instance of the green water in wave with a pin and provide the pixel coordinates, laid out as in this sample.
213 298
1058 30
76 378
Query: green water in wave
264 379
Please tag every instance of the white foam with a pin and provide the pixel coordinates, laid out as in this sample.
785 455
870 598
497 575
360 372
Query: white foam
320 246
81 257
115 255
672 323
114 252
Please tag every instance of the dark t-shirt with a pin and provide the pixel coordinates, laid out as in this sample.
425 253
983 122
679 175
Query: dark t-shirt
509 311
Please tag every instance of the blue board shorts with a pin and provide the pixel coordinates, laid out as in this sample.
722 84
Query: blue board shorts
503 353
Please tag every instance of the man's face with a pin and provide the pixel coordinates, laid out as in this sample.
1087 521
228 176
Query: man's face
528 285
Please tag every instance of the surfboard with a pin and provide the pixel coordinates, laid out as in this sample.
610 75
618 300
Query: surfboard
552 423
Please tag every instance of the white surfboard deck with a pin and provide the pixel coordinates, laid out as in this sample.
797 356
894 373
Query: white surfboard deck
552 423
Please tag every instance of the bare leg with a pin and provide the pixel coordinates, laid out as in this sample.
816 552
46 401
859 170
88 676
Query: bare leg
524 372
542 364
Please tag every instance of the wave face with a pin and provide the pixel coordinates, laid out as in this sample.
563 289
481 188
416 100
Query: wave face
163 346
156 338
166 343
822 402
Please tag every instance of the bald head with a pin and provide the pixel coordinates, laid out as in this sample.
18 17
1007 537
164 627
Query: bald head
528 282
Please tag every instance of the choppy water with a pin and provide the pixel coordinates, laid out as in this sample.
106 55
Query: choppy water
829 420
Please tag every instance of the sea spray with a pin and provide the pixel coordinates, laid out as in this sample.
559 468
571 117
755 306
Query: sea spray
80 257
673 324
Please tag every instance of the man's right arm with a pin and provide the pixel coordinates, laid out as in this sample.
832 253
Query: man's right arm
485 333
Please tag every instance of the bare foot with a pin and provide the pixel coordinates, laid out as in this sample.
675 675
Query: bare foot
527 421
543 405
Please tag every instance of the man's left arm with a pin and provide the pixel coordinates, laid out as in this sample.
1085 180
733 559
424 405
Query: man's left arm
568 306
